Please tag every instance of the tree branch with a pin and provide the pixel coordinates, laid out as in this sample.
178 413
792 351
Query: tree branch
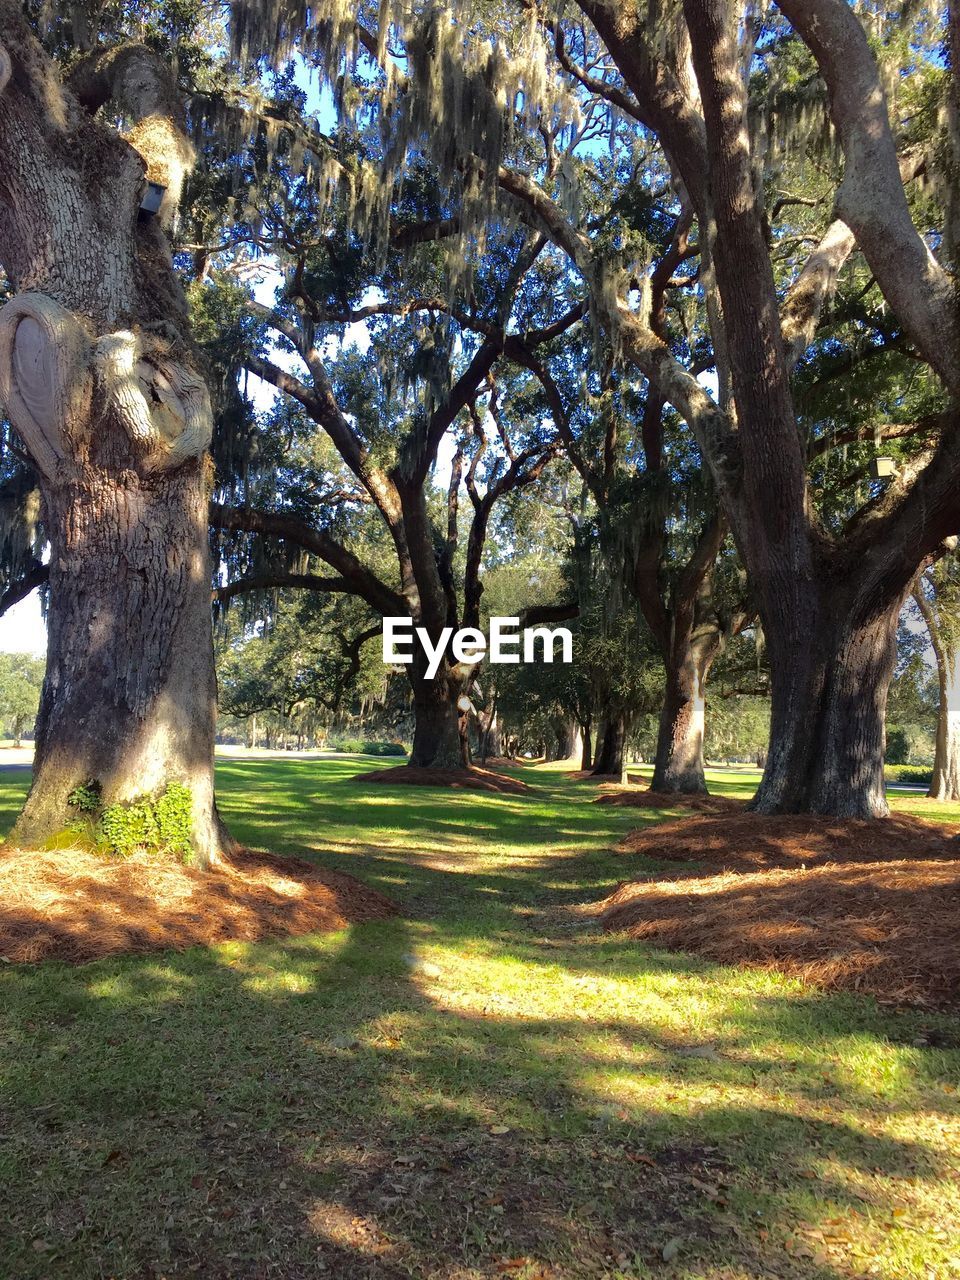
281 581
871 198
361 579
19 590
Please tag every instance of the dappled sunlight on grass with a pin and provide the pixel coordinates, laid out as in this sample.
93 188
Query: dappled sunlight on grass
487 1078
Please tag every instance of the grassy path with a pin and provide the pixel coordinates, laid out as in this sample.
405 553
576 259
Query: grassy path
485 1088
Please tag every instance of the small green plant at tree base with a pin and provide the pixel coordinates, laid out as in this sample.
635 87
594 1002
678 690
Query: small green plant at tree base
161 822
86 798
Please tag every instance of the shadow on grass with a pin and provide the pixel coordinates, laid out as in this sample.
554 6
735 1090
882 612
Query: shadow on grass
307 1106
485 1088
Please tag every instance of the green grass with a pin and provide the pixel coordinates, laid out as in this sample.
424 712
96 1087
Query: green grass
486 1087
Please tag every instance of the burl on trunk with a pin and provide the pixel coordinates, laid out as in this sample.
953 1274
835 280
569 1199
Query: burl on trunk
98 377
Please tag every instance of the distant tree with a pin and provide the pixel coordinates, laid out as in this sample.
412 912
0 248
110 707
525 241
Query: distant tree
21 679
299 667
898 747
937 594
738 727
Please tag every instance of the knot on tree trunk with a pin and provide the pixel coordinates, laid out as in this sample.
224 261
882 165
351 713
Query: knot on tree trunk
6 68
45 377
138 82
67 392
160 403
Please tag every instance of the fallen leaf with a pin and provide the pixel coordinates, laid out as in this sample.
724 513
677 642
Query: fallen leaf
499 1129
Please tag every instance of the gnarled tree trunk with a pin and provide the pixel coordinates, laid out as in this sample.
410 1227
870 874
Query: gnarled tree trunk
98 377
129 699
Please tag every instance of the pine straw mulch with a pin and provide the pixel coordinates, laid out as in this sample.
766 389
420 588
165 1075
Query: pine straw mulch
647 799
754 842
854 905
77 906
473 778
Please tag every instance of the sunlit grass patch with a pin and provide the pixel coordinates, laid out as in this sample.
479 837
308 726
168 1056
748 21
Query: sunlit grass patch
487 1079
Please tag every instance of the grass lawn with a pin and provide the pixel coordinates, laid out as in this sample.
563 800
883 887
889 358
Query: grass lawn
488 1087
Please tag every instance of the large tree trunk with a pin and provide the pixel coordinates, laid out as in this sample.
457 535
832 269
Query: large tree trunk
945 784
569 743
99 377
830 676
437 741
610 746
129 699
678 765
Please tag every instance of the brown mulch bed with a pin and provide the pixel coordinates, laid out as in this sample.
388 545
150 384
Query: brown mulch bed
77 906
471 779
648 799
754 842
854 905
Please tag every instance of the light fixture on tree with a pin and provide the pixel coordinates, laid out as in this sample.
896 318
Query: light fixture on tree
152 200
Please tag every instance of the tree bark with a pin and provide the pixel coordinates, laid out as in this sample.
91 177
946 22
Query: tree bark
490 743
129 699
437 741
689 634
831 668
678 765
98 375
569 744
586 758
611 745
